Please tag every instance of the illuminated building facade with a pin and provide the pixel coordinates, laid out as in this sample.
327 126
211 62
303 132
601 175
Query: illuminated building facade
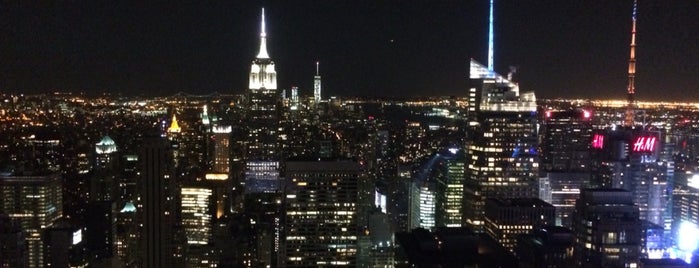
607 228
316 85
506 219
222 153
453 201
35 202
322 211
196 214
501 157
263 101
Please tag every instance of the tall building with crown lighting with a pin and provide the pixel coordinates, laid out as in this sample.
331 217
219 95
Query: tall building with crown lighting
262 165
222 152
502 143
316 85
263 100
502 156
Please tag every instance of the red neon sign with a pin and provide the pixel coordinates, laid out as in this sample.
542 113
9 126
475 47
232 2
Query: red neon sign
644 144
598 141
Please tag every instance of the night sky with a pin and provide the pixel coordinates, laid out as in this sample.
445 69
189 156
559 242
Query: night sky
562 48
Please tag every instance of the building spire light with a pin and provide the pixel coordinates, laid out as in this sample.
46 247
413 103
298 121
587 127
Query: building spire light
263 39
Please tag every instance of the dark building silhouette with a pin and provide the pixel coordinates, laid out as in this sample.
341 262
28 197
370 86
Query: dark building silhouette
550 246
506 219
157 203
607 228
13 244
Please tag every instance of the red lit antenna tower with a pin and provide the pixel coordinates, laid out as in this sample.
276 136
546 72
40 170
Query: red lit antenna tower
631 90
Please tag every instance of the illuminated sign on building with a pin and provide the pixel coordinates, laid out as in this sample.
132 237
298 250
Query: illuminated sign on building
77 237
598 141
643 144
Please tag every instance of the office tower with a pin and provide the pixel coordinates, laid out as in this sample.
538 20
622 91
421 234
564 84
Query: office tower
686 202
196 214
628 159
382 242
156 206
100 233
127 234
607 228
550 246
562 190
322 214
13 252
197 220
99 238
103 183
505 219
294 98
35 202
565 141
316 85
222 153
502 145
129 175
453 200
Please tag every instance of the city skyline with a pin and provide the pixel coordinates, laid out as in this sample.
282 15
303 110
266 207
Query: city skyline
567 49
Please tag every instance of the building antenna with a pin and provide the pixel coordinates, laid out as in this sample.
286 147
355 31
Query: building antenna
491 61
631 89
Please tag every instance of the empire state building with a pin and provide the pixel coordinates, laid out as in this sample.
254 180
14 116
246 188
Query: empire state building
262 154
263 100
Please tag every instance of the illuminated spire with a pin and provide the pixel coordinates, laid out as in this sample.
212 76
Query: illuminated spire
631 89
491 61
263 39
174 127
316 84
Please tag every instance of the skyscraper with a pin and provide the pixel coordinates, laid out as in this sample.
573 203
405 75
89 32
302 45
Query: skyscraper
316 85
607 228
35 202
157 203
502 144
566 137
262 165
322 213
222 152
263 102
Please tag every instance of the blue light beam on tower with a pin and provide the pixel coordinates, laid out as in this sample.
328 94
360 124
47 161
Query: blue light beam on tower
491 61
